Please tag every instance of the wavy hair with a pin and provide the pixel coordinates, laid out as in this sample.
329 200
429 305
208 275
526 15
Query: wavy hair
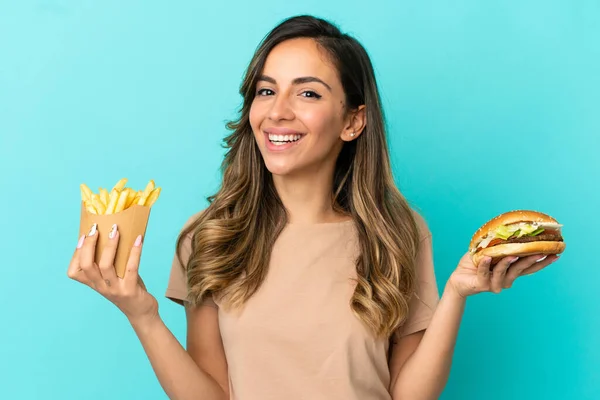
233 237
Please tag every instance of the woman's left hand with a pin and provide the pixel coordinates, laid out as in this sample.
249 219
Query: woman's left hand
469 279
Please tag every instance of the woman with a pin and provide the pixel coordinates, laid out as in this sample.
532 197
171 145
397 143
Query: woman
308 275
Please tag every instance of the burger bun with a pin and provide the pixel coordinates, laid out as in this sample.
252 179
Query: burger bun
501 251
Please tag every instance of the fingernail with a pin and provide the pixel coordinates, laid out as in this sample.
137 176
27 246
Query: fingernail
80 242
113 231
138 241
514 260
540 259
92 231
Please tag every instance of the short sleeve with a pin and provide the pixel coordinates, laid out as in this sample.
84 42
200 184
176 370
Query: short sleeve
423 303
177 289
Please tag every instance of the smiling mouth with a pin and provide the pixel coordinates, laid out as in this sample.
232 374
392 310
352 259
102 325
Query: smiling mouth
279 140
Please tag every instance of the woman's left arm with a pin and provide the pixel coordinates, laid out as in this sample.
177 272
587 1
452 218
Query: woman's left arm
420 363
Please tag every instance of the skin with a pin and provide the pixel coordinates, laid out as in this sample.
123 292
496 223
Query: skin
420 363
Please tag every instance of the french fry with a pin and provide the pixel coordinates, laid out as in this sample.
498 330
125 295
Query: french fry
149 188
120 185
153 197
114 197
130 197
119 199
97 203
90 207
104 196
121 202
86 192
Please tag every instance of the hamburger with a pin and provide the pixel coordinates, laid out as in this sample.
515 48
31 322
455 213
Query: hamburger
518 233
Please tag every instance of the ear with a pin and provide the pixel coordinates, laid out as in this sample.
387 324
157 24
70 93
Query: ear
355 124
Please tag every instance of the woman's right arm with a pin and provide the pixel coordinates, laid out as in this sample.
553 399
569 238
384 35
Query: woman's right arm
197 374
192 374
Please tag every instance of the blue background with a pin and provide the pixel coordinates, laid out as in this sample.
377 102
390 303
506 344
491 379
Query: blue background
491 106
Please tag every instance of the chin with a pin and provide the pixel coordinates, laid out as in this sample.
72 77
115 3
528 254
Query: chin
279 169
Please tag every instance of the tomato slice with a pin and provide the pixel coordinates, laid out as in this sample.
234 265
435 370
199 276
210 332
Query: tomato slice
495 242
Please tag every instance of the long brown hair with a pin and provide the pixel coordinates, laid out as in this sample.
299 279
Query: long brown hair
233 237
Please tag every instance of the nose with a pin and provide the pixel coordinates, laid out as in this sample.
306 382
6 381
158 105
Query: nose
281 109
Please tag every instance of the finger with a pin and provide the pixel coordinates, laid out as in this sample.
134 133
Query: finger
107 259
74 271
539 265
86 258
499 273
131 270
513 273
483 273
517 269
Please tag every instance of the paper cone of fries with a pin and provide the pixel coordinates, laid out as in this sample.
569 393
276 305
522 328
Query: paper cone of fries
128 209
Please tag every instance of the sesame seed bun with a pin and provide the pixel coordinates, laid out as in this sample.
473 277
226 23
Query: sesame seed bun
507 218
499 251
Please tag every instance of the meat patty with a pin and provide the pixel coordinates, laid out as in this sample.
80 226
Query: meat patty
542 237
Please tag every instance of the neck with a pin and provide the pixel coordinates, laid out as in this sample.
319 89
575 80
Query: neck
307 198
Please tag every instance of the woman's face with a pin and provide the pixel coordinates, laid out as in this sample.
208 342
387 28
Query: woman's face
298 115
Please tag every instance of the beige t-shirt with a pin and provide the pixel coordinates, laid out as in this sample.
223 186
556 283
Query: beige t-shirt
297 337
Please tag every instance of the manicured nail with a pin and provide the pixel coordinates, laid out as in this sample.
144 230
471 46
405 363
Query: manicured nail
138 241
113 231
93 230
514 260
80 242
543 258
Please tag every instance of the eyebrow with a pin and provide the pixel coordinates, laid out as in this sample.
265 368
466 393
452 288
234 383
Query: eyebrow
297 81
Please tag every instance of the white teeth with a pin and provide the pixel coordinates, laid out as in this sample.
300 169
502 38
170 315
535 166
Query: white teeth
284 138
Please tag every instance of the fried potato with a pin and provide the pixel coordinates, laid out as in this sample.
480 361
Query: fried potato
120 197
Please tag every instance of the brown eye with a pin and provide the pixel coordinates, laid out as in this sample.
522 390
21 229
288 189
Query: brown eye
311 94
265 92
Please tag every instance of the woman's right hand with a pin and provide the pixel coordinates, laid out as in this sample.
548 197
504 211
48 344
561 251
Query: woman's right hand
128 294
